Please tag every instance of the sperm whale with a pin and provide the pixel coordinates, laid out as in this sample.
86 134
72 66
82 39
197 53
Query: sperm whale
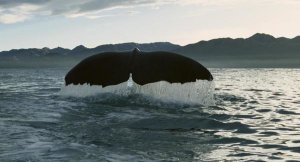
112 68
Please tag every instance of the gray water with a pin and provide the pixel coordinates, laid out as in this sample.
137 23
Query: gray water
255 115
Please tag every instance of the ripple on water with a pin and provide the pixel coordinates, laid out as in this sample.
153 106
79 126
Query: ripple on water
286 112
164 123
255 117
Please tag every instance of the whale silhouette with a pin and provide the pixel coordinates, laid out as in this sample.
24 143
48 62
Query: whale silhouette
112 68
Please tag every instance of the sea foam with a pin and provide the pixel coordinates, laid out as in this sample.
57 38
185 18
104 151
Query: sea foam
199 92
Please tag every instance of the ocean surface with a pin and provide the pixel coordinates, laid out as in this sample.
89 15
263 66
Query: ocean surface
244 115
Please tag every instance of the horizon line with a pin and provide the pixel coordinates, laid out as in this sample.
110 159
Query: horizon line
182 45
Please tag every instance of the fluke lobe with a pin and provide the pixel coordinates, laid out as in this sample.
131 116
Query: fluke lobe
111 68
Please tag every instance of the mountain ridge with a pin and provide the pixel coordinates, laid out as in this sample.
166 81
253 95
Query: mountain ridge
258 50
100 48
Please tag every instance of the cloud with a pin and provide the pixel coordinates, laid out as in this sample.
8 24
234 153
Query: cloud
16 14
95 9
14 3
12 18
13 11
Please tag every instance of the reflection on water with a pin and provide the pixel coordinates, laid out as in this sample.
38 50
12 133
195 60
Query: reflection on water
256 116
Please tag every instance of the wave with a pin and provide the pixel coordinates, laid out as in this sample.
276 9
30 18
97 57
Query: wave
199 92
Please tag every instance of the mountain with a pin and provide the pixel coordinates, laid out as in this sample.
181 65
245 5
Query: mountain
59 56
84 51
259 50
259 45
158 46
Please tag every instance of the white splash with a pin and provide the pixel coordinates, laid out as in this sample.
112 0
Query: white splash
199 92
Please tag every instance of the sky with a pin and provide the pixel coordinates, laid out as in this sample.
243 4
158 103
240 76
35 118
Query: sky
69 23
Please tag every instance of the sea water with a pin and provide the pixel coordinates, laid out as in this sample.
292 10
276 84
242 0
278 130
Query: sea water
245 114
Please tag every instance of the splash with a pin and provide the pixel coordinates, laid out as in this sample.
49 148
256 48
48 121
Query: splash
199 92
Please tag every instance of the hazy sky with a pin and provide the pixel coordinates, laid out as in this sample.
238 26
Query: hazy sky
68 23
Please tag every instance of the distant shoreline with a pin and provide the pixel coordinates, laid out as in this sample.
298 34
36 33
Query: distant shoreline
257 51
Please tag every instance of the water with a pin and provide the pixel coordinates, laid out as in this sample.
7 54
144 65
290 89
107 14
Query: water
253 115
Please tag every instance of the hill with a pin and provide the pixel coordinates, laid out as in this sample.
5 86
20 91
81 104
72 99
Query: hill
259 50
59 56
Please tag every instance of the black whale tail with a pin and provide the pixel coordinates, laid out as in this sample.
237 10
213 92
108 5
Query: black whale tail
111 68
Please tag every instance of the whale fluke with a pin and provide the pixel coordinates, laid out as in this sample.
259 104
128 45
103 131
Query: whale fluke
111 68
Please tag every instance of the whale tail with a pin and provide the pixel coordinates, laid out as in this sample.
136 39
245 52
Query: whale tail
111 68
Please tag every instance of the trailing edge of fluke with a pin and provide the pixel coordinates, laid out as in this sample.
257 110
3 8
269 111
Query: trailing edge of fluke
111 68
